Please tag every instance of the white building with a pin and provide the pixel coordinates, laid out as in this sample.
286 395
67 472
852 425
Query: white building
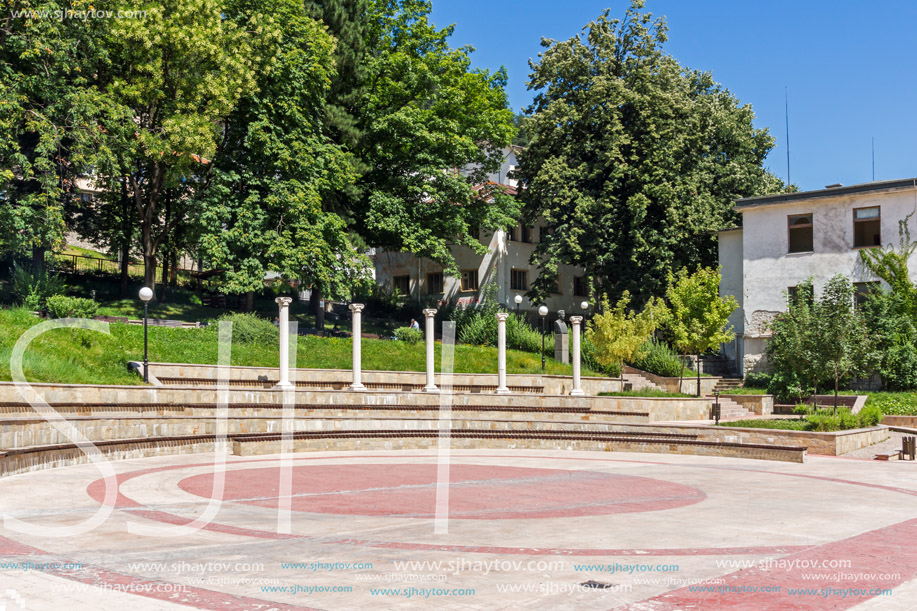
788 238
506 263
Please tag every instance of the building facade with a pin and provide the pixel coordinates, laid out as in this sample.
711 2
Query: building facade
506 263
786 239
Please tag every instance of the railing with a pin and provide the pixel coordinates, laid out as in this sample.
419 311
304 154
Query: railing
97 266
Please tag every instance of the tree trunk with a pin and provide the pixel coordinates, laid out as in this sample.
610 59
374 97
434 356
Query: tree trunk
173 269
38 259
681 376
125 239
164 280
621 371
697 366
317 310
249 301
836 382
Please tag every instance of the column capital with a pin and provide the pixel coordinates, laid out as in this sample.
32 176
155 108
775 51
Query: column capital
284 302
429 312
502 316
356 307
575 320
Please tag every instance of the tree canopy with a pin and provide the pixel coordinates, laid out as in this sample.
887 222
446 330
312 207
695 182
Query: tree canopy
633 161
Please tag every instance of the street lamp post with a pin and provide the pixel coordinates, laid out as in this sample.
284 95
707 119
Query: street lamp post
518 300
543 312
146 293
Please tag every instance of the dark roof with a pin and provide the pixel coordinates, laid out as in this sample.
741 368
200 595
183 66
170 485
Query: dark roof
866 187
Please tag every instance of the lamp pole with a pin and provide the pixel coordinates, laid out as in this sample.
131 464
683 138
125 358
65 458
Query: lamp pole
518 300
543 312
146 293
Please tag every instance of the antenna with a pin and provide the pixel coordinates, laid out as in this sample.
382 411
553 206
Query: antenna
873 158
786 100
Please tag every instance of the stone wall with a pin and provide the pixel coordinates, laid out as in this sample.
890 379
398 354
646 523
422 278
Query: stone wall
763 452
548 384
761 405
688 384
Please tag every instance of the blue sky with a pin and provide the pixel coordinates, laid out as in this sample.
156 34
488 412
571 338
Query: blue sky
849 68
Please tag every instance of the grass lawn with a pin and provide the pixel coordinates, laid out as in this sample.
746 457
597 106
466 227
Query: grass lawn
787 424
646 392
88 357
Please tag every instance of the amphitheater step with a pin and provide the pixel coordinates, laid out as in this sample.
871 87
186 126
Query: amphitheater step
341 385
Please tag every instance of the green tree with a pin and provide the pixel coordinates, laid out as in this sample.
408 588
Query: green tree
619 333
791 351
176 75
698 315
263 208
633 161
844 346
426 115
48 115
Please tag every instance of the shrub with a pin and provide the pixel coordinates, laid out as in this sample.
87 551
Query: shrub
787 387
657 357
60 306
409 335
870 416
757 380
521 336
589 361
899 367
32 288
250 329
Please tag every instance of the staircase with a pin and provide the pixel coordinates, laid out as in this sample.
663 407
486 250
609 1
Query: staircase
639 382
730 410
727 384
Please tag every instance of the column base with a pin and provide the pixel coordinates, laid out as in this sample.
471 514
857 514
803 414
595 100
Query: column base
503 391
285 386
431 388
356 387
577 392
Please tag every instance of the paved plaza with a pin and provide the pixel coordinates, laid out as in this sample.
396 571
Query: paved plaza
527 529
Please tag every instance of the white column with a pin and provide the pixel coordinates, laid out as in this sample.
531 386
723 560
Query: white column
429 330
283 326
575 322
355 309
501 353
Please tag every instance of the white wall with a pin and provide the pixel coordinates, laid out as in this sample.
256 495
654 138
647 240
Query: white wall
767 268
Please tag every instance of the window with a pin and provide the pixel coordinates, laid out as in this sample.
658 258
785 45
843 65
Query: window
519 280
528 234
580 289
556 289
470 280
867 227
800 228
435 283
402 284
474 231
86 198
862 291
794 293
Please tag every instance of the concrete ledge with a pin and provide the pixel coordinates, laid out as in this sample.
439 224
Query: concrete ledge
761 405
828 444
378 441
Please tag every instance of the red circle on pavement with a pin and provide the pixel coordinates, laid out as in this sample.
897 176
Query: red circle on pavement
478 492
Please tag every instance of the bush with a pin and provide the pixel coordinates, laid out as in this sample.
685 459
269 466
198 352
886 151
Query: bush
757 380
32 288
521 336
250 329
786 387
870 416
60 306
409 335
899 367
587 351
656 357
